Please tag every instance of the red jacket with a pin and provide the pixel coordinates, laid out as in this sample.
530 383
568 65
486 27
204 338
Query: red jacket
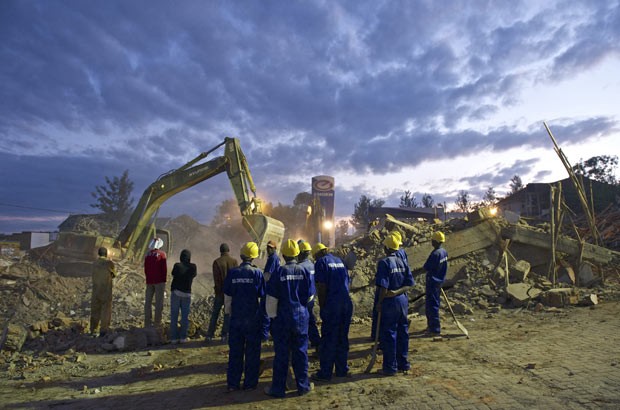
155 268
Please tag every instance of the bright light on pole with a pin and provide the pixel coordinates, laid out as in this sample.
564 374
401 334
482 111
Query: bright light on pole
327 225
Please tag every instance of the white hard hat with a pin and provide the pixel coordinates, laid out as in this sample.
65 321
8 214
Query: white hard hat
156 243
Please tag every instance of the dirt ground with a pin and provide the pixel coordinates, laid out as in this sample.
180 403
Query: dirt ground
516 358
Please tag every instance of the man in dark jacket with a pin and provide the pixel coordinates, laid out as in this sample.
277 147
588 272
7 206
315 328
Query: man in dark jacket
155 271
183 273
101 300
221 266
271 266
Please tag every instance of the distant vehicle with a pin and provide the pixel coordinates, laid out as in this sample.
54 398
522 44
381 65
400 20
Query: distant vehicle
73 250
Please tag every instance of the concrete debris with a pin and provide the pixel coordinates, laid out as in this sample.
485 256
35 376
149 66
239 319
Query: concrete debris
48 314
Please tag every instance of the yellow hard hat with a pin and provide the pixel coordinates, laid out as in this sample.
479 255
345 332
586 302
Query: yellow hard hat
391 242
250 250
290 249
305 246
398 236
438 236
318 247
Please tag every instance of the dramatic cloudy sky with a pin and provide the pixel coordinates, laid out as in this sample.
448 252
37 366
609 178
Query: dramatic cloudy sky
428 96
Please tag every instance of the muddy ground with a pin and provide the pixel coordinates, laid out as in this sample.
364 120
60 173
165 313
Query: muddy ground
517 358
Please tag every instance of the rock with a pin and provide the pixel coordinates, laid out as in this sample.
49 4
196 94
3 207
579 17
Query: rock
519 271
460 308
487 291
14 337
558 297
520 293
40 326
589 300
586 276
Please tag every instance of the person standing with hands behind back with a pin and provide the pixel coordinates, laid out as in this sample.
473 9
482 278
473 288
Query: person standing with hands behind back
183 273
221 266
101 301
244 287
436 267
155 271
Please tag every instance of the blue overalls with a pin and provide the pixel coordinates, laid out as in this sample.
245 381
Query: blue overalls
400 253
436 267
313 330
392 274
246 286
336 315
292 287
271 266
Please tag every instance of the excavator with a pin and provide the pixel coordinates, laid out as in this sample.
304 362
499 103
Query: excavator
75 250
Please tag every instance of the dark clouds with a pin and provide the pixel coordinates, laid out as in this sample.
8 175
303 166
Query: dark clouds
309 87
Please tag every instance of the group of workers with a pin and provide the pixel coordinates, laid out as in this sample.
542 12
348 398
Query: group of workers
279 300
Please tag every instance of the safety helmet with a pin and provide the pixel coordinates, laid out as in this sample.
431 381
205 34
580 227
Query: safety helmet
271 244
305 246
318 247
391 242
397 235
250 250
438 236
290 249
156 243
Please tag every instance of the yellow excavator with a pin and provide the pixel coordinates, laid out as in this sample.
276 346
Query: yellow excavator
77 249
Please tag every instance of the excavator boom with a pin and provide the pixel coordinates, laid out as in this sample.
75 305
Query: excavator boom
133 240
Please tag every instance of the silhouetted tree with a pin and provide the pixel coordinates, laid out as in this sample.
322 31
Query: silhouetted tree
489 197
407 200
360 218
516 184
113 198
600 168
427 201
462 201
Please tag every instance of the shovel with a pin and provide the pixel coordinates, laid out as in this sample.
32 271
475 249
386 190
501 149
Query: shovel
458 324
373 357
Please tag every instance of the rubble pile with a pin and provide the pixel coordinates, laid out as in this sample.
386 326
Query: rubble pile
487 271
493 265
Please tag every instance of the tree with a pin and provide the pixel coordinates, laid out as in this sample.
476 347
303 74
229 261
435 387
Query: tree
516 184
489 197
600 168
407 200
462 201
360 217
113 198
427 201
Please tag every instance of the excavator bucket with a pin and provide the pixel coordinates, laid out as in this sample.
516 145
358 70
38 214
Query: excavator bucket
263 229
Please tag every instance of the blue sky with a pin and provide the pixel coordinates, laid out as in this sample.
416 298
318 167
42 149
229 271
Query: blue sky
386 96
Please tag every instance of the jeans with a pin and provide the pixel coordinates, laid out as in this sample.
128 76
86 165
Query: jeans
218 303
176 303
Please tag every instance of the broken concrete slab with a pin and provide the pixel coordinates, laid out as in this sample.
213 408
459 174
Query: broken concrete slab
559 297
519 271
522 234
520 293
457 243
14 337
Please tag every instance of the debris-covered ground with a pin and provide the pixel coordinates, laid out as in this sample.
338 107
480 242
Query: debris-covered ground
499 285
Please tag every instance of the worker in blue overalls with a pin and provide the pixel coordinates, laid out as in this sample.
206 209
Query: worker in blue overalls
400 253
288 292
332 283
271 266
244 288
436 267
393 280
303 260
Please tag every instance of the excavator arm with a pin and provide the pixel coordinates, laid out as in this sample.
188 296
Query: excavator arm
136 234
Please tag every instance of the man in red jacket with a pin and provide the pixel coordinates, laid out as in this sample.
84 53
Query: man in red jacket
155 270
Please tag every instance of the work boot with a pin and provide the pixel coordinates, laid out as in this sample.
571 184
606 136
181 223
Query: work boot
310 389
318 378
